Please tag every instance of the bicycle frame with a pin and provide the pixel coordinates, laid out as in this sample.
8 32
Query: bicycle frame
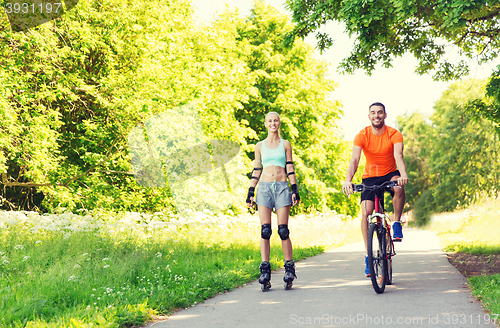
381 217
382 220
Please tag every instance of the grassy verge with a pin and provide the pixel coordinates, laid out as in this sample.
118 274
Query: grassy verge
475 230
118 270
487 289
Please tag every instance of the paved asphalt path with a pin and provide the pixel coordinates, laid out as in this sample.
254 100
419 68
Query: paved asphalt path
332 291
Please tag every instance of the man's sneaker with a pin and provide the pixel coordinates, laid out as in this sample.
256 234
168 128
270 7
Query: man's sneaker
397 234
367 270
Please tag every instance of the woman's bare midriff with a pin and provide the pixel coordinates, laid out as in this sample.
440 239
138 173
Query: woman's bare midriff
273 173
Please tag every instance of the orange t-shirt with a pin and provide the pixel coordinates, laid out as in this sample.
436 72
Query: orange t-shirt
378 150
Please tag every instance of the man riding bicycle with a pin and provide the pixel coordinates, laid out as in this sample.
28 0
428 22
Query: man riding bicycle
383 149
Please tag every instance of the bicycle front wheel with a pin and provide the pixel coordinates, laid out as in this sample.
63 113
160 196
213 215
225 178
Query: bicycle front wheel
377 262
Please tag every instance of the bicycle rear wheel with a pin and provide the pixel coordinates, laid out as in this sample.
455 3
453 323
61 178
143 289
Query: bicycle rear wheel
377 263
389 252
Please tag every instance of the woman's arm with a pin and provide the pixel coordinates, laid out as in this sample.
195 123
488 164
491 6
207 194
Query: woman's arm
257 166
257 171
290 171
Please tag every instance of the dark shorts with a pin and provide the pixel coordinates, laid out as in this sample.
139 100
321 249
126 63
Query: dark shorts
370 194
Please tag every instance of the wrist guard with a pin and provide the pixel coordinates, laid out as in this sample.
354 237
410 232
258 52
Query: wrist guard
295 190
251 193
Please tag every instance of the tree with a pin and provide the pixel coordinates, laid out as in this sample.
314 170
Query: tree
72 89
387 29
453 159
417 135
488 107
294 84
464 160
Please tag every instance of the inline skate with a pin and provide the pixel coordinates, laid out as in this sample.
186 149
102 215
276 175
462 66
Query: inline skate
265 276
289 274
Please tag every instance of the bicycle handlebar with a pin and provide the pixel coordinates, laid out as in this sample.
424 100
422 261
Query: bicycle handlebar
385 185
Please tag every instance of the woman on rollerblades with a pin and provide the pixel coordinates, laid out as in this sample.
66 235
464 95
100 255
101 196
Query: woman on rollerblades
273 166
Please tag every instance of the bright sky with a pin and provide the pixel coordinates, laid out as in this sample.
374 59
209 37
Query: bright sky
398 88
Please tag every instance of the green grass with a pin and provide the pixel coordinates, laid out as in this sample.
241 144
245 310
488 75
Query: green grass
119 270
474 230
487 289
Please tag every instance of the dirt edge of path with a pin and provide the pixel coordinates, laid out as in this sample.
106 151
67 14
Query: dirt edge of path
475 265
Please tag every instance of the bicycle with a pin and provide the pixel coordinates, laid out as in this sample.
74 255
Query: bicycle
380 244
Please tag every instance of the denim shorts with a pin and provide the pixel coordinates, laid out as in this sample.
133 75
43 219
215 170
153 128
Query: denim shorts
274 194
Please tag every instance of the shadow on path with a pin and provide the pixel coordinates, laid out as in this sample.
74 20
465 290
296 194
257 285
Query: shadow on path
332 291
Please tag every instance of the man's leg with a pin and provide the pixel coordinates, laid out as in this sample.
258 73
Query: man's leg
398 201
367 207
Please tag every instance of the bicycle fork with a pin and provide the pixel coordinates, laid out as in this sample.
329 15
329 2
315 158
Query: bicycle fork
385 230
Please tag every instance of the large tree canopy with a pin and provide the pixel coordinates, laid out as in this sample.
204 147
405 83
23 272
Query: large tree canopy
384 30
453 159
75 90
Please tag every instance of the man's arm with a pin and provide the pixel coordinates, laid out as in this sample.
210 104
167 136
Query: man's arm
351 170
400 163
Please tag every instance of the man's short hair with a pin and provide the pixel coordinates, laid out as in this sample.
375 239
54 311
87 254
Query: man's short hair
377 104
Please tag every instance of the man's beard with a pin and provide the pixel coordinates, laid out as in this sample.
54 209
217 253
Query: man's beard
379 125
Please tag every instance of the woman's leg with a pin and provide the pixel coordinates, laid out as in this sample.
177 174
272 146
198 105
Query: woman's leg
283 214
265 218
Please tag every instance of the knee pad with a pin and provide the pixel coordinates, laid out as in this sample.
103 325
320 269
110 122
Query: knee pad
283 231
266 231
